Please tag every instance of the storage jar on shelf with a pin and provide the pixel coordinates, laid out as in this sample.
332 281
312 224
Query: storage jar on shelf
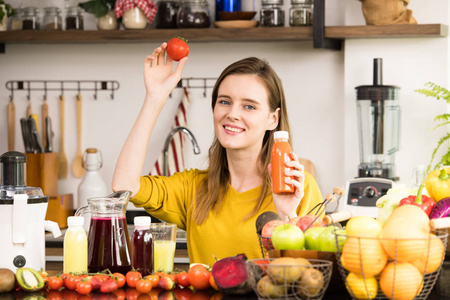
167 14
74 19
108 21
134 18
301 13
193 14
272 13
16 20
52 18
30 17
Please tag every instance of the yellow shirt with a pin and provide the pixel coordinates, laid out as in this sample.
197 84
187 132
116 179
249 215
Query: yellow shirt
222 235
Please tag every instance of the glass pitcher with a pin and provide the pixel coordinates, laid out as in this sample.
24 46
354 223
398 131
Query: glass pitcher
108 239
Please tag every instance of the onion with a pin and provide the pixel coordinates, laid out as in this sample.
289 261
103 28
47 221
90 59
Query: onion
441 209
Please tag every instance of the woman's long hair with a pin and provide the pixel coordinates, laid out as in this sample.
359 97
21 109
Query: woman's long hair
212 190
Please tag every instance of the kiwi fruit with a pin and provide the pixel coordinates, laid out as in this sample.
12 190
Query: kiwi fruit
7 280
29 280
265 217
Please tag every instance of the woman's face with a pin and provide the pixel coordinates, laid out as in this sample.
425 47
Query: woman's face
242 114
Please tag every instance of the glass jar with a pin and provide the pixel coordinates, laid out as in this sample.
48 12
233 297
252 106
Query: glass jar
301 13
134 18
74 19
16 20
30 17
193 14
167 14
108 21
272 13
52 18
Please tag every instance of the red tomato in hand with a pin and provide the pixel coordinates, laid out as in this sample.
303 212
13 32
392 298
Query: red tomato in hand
177 48
132 277
55 282
198 276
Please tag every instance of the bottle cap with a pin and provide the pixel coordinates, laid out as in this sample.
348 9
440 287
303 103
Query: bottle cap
142 221
74 221
281 135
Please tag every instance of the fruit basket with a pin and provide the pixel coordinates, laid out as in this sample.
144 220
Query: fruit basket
289 278
391 268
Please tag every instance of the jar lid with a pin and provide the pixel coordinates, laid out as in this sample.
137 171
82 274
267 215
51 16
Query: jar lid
52 9
302 1
30 11
278 2
281 135
75 221
142 221
74 10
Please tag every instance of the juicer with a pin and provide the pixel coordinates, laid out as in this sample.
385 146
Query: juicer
22 217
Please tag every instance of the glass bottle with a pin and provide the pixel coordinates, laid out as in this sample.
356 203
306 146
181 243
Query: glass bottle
52 18
272 13
193 14
280 155
74 19
75 246
30 16
16 20
301 13
141 246
167 14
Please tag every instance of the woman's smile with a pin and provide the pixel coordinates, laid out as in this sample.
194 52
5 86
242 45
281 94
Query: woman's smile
230 129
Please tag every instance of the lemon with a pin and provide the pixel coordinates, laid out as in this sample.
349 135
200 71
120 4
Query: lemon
361 288
363 226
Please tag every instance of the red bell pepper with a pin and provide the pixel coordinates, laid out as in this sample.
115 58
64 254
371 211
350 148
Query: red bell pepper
424 202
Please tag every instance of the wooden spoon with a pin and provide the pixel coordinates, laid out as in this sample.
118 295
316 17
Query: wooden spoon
44 111
62 161
11 124
77 165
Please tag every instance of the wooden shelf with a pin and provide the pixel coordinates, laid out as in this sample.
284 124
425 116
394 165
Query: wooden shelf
222 34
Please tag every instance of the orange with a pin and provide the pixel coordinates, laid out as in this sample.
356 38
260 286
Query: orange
432 258
360 287
400 281
363 256
363 226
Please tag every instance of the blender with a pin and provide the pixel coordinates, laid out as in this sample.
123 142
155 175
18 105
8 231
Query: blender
22 216
378 114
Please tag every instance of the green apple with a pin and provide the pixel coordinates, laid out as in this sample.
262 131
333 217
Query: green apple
288 237
328 238
312 241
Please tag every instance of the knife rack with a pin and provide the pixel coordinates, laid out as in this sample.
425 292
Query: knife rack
62 86
197 83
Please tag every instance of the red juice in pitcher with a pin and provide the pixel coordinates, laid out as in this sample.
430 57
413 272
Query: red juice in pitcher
108 245
142 246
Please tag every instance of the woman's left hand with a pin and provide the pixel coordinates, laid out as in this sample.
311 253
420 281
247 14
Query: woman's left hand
287 204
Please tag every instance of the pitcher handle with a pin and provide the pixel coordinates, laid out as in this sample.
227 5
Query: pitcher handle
82 210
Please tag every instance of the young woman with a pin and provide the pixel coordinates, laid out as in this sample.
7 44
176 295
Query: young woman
218 207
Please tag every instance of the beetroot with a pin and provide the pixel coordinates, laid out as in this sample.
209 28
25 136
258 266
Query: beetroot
230 275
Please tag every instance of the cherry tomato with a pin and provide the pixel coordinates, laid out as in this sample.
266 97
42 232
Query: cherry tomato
177 48
109 286
120 279
198 276
55 282
102 277
71 282
154 279
132 277
84 287
213 284
64 277
143 285
182 279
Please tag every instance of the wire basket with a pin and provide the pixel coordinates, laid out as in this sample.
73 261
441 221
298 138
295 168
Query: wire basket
306 279
375 268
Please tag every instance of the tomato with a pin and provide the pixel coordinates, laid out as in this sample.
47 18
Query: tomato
131 294
95 282
177 48
143 285
154 280
84 287
132 277
64 277
109 286
198 276
71 282
120 279
213 284
44 276
55 282
182 279
102 277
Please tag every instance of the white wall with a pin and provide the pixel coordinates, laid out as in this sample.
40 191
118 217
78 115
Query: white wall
319 86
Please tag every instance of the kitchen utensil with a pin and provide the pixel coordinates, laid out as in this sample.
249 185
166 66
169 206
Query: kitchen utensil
44 114
36 120
26 135
22 215
48 135
36 138
62 161
77 164
109 243
28 112
11 124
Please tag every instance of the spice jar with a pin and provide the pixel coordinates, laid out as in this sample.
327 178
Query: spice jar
30 17
134 18
167 14
193 14
16 21
301 12
52 18
74 19
272 13
108 21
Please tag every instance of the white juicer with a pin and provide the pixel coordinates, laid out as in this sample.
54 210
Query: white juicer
22 217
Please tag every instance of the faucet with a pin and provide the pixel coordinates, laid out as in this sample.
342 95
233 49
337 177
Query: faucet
167 143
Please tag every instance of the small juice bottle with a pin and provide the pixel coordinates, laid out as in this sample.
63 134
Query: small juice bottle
280 155
141 246
75 246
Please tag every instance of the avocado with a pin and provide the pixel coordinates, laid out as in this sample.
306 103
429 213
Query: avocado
29 280
7 280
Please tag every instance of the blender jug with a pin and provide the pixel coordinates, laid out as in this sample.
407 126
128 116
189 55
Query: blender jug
378 114
108 239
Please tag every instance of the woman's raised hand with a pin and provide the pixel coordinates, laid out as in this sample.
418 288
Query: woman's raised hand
159 77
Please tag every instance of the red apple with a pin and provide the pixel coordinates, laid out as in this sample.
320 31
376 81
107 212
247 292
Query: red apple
304 222
266 232
288 237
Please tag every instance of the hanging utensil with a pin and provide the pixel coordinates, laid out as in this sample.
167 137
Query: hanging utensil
28 113
11 124
26 135
36 138
49 135
77 165
62 160
44 112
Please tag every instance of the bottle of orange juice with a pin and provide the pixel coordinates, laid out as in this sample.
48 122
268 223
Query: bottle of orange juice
280 155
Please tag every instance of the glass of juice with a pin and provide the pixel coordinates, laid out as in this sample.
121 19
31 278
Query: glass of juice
164 244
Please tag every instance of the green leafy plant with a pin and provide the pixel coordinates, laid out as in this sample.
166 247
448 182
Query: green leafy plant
98 8
440 93
7 10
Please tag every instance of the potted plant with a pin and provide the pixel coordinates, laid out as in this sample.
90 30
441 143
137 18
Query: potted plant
439 93
5 11
103 10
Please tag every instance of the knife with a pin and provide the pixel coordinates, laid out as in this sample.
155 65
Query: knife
48 135
35 137
25 135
